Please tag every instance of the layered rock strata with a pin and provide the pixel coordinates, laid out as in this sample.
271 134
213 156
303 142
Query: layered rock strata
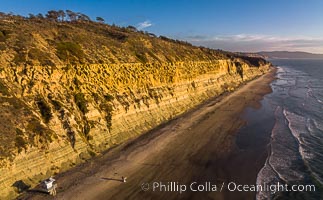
62 116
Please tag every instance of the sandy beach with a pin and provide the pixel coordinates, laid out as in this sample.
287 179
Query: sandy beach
199 146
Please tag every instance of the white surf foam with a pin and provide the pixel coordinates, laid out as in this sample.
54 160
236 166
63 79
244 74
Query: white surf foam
312 129
297 125
282 155
318 125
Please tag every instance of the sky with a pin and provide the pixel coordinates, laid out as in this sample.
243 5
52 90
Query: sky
233 25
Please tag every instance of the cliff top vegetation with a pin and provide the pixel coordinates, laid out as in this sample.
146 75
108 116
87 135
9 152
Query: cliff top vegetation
66 37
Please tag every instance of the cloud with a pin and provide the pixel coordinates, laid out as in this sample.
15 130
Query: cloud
254 43
143 25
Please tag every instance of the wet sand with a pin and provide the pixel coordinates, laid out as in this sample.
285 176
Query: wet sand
199 146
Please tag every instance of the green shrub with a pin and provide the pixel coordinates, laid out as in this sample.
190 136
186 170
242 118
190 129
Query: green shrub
57 105
4 34
3 89
86 130
108 119
20 143
141 57
108 97
19 132
69 52
71 138
91 153
96 97
81 102
41 56
2 37
116 35
108 109
19 58
45 110
3 46
38 129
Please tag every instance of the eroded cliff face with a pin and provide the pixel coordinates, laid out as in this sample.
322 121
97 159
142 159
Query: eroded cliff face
56 117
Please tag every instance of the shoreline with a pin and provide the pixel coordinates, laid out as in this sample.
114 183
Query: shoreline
179 149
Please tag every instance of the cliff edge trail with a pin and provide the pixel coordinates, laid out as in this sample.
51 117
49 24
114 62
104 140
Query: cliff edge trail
70 90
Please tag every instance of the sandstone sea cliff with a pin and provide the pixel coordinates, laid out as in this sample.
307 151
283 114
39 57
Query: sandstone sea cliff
65 97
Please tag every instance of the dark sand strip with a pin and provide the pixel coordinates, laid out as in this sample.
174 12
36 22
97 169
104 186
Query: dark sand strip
198 146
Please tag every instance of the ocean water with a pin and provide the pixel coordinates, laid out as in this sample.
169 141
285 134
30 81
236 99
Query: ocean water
295 150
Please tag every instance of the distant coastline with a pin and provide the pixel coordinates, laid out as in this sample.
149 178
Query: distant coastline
289 55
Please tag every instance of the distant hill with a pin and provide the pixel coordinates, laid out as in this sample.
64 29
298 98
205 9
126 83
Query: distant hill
288 54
